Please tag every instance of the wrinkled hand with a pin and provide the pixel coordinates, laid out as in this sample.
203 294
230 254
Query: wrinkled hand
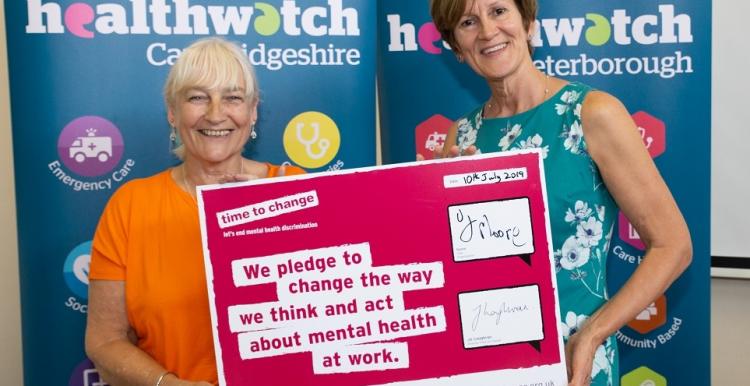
453 152
579 354
248 177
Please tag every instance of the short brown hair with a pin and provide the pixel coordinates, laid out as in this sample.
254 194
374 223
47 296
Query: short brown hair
447 13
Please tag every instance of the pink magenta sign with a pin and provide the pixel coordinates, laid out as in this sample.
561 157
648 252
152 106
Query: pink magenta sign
430 273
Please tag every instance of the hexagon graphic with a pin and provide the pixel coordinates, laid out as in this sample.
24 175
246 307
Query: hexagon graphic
653 131
431 133
651 318
628 234
643 376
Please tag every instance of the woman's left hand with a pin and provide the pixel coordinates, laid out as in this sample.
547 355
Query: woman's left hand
579 355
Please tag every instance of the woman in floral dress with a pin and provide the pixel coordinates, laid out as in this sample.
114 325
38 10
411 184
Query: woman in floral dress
595 163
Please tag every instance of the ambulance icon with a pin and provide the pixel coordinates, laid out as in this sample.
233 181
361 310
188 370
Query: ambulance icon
433 140
91 146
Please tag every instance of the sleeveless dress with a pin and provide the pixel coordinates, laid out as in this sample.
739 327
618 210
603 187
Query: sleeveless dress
582 211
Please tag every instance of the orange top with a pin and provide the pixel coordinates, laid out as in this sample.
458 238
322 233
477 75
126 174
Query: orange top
149 237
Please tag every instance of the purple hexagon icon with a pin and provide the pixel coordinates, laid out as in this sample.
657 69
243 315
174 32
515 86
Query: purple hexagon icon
628 234
90 146
85 374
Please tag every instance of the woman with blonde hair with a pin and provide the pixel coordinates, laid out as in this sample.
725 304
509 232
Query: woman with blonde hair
149 321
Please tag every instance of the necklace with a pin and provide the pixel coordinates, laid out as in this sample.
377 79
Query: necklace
190 191
546 92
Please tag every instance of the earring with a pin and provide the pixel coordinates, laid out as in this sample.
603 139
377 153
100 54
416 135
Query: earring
253 133
173 136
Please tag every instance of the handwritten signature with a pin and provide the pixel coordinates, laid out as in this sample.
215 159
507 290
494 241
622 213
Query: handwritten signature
484 227
484 312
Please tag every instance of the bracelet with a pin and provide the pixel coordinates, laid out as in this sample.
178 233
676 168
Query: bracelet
161 377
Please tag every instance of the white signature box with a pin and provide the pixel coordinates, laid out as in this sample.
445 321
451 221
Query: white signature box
500 316
485 230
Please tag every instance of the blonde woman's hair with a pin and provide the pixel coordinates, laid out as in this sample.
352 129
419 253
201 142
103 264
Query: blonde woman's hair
210 63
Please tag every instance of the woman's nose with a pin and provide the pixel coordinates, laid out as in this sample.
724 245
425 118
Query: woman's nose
215 112
487 30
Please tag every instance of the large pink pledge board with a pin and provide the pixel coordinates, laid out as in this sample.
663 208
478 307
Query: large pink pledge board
437 272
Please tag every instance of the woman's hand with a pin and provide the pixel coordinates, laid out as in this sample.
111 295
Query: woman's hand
227 178
579 355
452 152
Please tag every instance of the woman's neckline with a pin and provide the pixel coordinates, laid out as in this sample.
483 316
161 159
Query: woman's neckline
532 110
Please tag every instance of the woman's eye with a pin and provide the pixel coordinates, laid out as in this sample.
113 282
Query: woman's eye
235 98
467 23
499 11
197 98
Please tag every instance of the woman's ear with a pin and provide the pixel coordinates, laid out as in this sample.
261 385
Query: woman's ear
532 30
254 109
170 117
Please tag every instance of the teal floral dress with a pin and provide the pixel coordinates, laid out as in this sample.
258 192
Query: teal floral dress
582 212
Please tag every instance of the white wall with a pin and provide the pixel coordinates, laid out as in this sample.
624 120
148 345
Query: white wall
730 337
10 319
730 185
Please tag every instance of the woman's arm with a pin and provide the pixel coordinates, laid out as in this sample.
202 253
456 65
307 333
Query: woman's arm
110 341
615 144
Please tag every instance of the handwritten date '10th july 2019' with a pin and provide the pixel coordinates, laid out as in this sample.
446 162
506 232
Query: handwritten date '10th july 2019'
484 177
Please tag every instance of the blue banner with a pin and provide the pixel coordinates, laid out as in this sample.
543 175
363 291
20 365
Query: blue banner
656 58
86 83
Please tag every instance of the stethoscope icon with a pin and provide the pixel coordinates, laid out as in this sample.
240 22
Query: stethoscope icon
323 144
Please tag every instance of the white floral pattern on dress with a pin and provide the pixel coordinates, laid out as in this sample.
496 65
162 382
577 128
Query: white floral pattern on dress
604 360
466 134
581 247
568 99
573 138
589 232
580 212
534 142
510 137
572 324
574 254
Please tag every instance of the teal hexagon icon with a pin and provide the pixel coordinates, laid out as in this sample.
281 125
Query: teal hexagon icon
643 376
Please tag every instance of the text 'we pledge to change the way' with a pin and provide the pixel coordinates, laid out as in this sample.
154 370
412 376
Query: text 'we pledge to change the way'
368 308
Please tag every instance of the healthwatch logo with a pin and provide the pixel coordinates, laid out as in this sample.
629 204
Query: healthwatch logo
179 17
619 27
90 146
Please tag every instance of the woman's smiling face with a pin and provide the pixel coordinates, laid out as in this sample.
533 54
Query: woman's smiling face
214 125
491 37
